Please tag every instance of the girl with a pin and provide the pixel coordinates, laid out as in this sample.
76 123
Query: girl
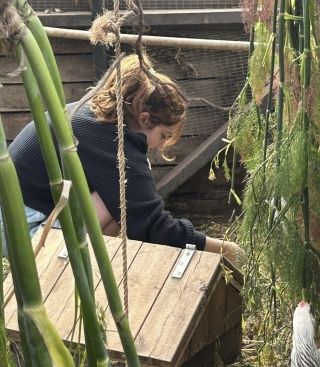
154 114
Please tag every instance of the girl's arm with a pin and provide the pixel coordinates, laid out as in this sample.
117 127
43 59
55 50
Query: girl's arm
108 225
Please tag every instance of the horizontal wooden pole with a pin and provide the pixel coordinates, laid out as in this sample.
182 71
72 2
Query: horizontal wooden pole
194 43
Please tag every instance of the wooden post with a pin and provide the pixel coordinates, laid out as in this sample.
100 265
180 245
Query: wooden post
99 50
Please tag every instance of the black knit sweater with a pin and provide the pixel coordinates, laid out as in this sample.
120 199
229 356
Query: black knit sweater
146 218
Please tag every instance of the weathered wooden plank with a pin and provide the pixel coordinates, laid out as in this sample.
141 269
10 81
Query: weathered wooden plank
170 317
160 171
8 283
73 68
146 278
62 321
179 151
192 163
176 310
100 294
69 46
201 123
233 308
13 123
99 50
12 96
49 269
210 326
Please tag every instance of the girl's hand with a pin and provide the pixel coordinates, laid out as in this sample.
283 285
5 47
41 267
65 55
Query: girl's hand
230 250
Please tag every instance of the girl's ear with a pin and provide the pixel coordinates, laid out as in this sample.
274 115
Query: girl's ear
144 120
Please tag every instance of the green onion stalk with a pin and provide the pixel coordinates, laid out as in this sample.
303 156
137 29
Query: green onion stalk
75 171
306 77
56 183
42 345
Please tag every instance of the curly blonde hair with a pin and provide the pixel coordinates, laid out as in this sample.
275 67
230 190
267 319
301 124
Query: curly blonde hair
160 97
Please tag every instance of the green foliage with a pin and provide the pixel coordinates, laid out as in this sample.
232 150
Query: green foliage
260 62
281 201
246 132
5 354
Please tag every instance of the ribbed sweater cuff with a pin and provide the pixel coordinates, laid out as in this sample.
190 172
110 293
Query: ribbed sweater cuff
199 240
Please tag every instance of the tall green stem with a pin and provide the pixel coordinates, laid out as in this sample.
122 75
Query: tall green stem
34 24
281 43
306 77
74 168
56 182
24 273
270 95
36 28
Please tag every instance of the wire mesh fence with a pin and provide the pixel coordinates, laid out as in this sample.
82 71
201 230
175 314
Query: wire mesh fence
181 4
84 5
61 5
211 79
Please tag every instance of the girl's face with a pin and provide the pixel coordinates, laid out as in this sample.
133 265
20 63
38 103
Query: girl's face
156 134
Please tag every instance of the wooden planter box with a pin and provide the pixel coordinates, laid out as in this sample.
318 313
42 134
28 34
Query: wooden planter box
175 322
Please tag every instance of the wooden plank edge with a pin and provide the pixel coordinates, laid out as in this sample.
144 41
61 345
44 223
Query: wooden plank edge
215 279
192 163
180 359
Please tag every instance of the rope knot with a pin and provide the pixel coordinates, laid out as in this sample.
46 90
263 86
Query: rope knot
104 29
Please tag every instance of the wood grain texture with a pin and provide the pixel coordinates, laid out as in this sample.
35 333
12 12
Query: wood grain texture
48 268
13 97
171 319
72 67
176 309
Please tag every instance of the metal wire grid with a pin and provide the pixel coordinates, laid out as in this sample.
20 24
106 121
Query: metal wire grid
62 5
209 78
84 5
182 4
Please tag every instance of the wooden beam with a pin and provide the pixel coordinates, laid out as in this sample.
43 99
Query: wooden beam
189 43
192 163
99 50
158 17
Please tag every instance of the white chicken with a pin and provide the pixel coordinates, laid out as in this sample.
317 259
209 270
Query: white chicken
304 350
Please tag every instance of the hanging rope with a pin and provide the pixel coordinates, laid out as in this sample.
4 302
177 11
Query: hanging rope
106 29
122 163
